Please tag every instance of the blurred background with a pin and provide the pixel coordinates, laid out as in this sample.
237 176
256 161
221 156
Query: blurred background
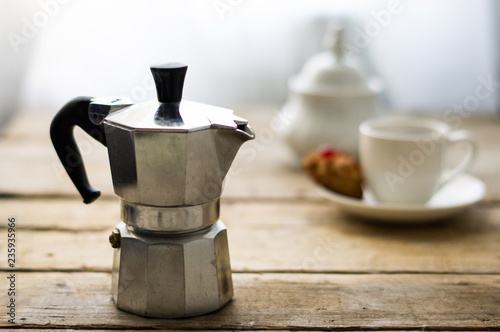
431 55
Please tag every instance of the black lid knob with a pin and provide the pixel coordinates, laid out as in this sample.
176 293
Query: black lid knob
169 81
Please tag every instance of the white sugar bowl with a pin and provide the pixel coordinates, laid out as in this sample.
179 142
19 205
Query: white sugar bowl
329 99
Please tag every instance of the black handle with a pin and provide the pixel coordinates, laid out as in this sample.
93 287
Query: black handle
169 81
75 113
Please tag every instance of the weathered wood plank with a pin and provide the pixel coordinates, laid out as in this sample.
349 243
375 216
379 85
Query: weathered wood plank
65 214
318 237
261 169
111 330
27 125
276 301
267 236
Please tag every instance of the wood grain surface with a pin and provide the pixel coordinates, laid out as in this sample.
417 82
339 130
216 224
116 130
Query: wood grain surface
268 236
278 302
299 263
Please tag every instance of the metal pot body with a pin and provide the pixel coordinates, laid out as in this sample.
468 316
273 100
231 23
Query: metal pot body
172 276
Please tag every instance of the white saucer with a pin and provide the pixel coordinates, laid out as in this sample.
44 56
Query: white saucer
453 198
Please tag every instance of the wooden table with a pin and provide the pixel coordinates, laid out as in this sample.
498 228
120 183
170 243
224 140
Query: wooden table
298 262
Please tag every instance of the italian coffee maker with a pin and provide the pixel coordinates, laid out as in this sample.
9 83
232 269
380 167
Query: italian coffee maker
168 161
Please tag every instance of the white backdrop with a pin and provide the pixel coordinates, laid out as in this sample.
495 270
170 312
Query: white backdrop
240 53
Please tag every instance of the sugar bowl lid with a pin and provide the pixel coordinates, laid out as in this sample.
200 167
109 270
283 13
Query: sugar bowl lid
328 74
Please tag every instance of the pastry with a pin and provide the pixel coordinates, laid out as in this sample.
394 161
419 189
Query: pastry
335 170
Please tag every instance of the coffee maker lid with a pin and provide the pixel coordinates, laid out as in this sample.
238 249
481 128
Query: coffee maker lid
190 116
170 112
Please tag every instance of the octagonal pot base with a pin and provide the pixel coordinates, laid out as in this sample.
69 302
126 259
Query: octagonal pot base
172 275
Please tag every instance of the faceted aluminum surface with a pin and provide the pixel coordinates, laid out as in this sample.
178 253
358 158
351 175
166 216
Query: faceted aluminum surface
172 168
172 277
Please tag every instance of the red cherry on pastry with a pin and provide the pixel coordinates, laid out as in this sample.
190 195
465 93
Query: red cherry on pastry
327 152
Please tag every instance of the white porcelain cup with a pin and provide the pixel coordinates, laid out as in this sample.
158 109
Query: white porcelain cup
403 157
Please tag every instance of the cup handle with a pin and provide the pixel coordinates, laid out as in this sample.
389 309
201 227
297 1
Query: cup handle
455 137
